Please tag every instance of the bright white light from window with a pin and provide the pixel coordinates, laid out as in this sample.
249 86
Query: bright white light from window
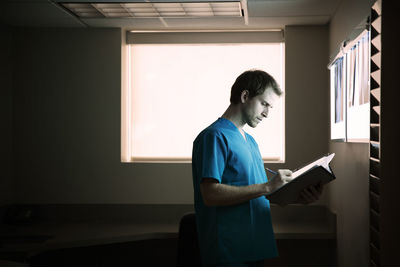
178 90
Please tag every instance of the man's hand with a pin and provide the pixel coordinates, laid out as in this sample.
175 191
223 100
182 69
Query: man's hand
286 175
310 194
279 179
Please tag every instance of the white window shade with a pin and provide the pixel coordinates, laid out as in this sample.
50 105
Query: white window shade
176 90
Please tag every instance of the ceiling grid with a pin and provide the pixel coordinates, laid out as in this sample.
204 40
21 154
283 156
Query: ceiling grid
152 9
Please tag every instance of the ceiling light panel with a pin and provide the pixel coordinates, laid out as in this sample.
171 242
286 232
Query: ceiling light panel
83 10
163 10
112 10
140 9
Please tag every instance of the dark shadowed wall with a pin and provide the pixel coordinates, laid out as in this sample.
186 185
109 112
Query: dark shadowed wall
6 116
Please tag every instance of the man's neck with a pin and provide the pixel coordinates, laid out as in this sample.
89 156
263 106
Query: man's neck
234 114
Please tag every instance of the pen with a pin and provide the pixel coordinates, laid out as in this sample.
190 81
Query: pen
271 171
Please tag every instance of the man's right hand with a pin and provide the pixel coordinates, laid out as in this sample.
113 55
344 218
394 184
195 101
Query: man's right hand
283 177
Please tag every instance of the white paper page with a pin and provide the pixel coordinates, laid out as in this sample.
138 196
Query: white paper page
324 162
327 161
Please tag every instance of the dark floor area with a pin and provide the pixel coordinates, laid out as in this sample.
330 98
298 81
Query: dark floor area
162 252
304 253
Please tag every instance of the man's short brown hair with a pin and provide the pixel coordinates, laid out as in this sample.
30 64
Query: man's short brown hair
254 81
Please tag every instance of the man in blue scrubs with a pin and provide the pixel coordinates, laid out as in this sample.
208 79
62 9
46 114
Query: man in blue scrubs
232 214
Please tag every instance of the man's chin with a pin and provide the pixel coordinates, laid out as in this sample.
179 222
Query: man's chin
253 124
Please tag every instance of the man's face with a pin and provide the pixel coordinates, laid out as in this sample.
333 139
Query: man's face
256 109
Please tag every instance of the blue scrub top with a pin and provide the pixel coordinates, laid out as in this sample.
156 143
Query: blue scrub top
238 233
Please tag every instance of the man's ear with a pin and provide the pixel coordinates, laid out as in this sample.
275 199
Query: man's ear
244 96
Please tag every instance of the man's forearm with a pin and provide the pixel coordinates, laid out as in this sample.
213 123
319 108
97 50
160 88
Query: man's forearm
216 194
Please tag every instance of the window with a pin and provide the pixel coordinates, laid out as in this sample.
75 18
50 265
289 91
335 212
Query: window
174 89
350 90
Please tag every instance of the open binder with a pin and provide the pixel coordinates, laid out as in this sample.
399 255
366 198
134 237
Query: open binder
316 172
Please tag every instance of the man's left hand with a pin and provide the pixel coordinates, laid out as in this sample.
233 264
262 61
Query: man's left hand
310 194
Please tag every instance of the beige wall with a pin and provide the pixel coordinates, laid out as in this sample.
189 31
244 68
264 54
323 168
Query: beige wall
348 195
68 118
6 116
307 94
68 124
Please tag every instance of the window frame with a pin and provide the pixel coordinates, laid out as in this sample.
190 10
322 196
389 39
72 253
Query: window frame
177 37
